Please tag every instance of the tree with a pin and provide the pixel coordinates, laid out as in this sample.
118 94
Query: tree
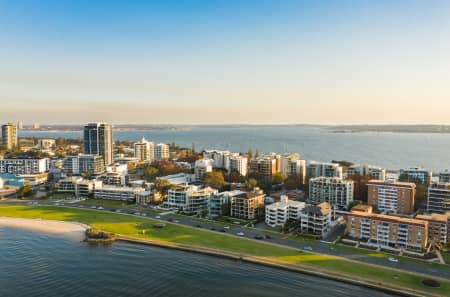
292 182
250 154
193 148
257 153
150 173
278 178
251 183
25 191
162 186
214 179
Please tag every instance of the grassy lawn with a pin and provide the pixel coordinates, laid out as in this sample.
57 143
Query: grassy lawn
446 257
175 234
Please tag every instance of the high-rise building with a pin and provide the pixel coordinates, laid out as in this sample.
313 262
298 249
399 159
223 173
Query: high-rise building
375 172
444 176
19 125
9 136
238 164
162 152
144 150
395 197
416 175
84 163
98 140
439 198
267 165
248 205
202 167
316 169
278 213
292 165
333 190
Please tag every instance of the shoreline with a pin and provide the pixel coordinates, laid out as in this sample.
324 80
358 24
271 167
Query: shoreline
73 229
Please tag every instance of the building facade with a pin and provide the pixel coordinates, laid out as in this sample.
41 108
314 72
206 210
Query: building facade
202 167
9 136
333 190
144 151
162 152
439 198
316 219
278 213
190 198
438 227
248 205
393 197
267 165
317 169
374 172
238 164
83 163
415 175
98 140
24 166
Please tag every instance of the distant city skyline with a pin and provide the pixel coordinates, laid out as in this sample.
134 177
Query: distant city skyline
225 62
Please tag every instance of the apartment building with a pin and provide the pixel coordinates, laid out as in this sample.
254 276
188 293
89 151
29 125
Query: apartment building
117 193
292 165
98 140
24 166
278 213
267 165
386 230
317 169
144 150
438 227
162 152
84 163
248 205
201 167
46 143
316 219
221 158
415 175
78 186
219 204
190 198
444 176
393 197
439 198
333 190
238 164
9 136
375 172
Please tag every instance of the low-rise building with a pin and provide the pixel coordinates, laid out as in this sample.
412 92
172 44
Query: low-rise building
46 143
162 152
117 193
202 167
438 227
393 197
439 198
178 178
320 169
375 172
219 204
84 163
316 219
190 198
18 166
333 190
386 230
78 186
278 213
248 205
416 175
144 150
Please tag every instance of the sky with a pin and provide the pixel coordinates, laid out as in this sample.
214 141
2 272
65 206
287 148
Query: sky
216 62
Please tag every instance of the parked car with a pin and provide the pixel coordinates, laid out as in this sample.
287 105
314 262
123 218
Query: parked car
259 237
308 248
240 234
392 259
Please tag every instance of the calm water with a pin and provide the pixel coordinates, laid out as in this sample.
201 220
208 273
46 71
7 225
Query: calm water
35 264
391 150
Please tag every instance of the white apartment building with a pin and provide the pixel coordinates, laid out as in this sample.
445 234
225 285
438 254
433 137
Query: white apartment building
333 190
277 214
144 150
201 167
21 166
221 158
117 193
179 178
84 163
190 198
46 143
220 202
317 169
316 219
375 172
78 186
162 152
238 164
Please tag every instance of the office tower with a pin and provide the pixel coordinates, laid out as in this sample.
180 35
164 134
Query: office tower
98 140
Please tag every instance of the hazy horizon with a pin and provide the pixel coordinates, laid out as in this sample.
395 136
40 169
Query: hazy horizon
225 62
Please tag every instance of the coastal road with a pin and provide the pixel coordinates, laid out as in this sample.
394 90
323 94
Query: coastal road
321 247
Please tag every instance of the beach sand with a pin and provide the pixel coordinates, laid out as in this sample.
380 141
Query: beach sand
76 230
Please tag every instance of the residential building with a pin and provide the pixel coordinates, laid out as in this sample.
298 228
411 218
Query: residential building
438 227
201 167
333 190
98 140
162 152
21 166
46 143
238 164
317 169
179 178
444 176
375 172
143 198
219 204
84 163
416 175
393 197
267 165
248 205
439 198
316 219
117 193
221 158
9 136
144 150
19 125
190 198
278 213
78 186
386 230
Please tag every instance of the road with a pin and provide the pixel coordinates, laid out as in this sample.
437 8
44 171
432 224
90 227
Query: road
321 247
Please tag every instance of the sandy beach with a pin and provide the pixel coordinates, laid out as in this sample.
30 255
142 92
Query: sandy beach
47 226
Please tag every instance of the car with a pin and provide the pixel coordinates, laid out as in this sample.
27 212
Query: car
93 207
158 217
268 237
308 248
240 234
176 221
226 227
223 230
393 260
198 226
100 207
118 210
213 229
137 213
144 214
170 220
259 237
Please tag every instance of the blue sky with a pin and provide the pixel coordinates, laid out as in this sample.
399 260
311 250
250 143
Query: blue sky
225 61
